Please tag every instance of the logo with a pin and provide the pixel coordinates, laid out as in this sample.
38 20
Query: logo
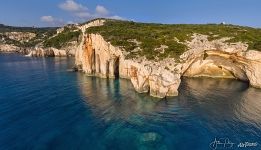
222 143
225 143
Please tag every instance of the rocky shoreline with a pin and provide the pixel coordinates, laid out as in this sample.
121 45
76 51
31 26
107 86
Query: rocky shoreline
39 52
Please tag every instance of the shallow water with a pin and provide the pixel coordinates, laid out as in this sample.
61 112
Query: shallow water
45 106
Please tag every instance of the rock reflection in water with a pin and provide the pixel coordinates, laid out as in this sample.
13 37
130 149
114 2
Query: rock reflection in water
223 103
115 99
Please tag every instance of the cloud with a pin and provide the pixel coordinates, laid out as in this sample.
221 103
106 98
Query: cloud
47 19
117 17
50 20
70 5
101 10
70 22
83 15
81 12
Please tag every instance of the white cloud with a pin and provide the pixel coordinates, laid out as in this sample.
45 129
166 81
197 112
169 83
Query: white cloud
70 22
70 5
50 20
82 13
47 19
101 10
117 17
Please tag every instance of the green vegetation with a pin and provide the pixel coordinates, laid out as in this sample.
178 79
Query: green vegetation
152 36
60 40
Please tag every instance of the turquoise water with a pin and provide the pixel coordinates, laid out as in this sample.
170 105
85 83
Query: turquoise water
43 106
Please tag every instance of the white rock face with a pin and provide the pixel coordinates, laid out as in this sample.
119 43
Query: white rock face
58 52
20 36
215 58
79 51
8 48
50 52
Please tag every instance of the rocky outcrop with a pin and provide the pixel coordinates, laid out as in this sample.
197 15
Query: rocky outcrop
162 78
8 48
50 52
20 36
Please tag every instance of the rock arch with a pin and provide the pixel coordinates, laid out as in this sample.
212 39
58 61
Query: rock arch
217 64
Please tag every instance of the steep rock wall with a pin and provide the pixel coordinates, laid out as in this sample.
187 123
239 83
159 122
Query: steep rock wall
79 50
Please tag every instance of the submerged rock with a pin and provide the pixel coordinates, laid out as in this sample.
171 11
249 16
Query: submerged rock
150 137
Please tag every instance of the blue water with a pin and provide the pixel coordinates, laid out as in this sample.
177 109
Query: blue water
44 106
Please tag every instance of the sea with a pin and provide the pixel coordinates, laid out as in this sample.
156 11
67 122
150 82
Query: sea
44 105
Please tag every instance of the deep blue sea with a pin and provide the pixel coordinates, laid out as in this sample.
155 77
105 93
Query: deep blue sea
45 106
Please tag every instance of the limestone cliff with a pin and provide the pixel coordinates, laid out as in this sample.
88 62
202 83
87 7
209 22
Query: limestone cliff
160 78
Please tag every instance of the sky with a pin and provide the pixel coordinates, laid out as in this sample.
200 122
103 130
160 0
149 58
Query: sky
42 13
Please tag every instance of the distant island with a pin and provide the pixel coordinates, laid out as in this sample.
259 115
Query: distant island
153 56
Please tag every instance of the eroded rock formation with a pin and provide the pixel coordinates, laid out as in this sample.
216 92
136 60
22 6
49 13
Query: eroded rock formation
214 58
223 61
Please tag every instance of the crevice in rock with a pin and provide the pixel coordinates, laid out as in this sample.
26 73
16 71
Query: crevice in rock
116 68
93 60
107 68
98 64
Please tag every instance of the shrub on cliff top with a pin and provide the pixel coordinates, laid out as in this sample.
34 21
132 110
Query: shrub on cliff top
152 36
62 39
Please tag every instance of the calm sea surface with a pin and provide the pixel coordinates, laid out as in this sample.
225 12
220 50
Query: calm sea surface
44 106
